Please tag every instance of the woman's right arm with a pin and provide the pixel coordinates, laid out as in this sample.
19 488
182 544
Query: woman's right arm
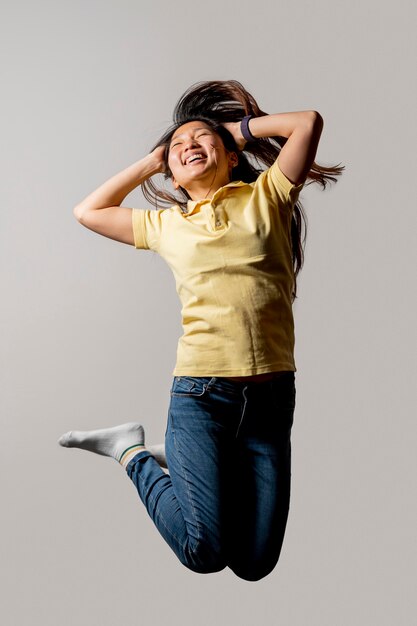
101 212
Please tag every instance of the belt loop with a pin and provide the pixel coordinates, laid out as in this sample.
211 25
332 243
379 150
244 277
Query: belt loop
243 411
211 382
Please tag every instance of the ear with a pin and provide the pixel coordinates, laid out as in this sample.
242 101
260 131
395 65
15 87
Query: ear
175 184
233 159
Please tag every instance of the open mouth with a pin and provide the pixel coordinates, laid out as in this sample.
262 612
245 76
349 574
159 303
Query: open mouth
195 158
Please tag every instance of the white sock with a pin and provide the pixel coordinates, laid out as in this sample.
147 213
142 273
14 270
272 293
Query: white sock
120 442
158 451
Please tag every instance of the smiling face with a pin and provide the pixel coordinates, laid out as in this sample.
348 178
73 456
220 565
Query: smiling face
198 160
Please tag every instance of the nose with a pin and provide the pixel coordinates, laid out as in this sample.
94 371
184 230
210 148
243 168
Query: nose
190 143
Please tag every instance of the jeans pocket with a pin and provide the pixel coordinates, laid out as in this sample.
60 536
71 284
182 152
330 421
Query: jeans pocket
189 386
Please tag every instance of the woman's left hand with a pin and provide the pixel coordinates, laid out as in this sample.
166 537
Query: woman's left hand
234 130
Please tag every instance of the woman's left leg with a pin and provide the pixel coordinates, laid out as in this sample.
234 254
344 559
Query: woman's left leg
260 498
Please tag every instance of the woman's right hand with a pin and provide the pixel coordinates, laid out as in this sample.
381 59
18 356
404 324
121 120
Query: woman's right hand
159 157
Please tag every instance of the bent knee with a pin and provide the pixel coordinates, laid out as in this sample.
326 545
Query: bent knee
208 568
203 559
252 575
253 572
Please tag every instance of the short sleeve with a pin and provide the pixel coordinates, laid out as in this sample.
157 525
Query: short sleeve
147 227
284 187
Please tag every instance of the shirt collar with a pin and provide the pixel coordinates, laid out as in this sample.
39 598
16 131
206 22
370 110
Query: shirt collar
193 204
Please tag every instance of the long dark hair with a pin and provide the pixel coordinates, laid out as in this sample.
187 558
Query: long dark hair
216 102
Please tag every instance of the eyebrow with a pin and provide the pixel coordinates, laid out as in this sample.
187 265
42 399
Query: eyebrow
196 129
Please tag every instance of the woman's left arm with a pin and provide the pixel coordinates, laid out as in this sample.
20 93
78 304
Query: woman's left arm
302 129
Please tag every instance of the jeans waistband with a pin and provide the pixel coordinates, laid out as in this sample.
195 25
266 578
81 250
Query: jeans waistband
225 384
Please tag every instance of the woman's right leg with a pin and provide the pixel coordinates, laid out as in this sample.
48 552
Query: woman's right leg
190 505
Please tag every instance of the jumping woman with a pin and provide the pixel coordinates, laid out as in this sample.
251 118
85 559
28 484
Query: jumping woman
231 231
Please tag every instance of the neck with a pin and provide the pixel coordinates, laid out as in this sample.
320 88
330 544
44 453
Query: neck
203 190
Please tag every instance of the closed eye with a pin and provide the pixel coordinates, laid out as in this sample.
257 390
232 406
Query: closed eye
179 142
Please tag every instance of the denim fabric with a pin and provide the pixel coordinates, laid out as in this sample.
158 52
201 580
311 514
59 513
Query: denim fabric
225 501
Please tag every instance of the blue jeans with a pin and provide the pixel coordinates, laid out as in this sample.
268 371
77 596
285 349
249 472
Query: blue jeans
226 498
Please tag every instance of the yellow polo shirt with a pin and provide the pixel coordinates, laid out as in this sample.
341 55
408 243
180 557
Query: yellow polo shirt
232 263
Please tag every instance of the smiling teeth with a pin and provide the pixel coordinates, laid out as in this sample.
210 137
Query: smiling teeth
194 156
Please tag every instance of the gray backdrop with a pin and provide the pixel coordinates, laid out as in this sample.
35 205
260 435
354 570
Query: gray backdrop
90 326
